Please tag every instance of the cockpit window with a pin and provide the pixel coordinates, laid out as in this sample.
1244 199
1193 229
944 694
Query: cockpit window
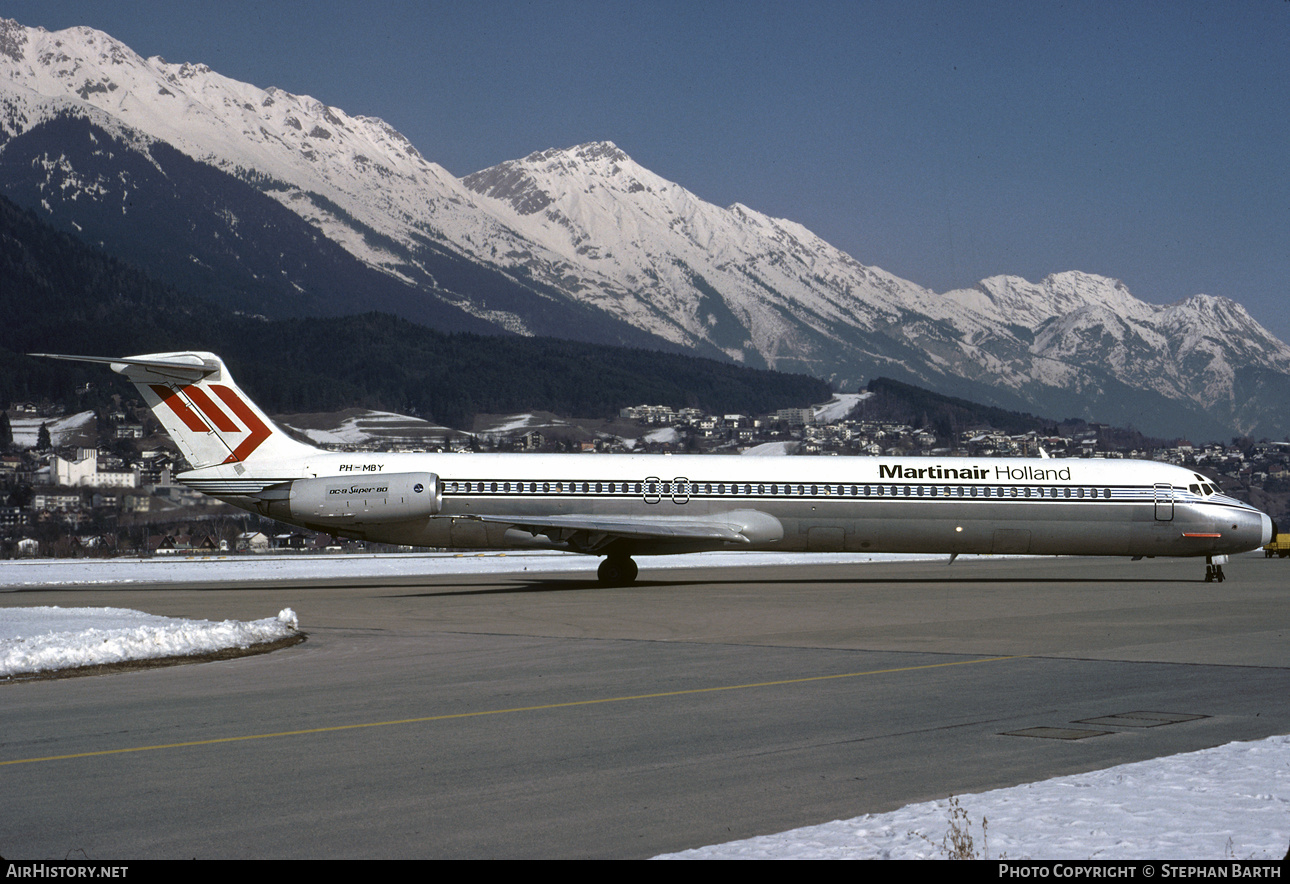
1206 487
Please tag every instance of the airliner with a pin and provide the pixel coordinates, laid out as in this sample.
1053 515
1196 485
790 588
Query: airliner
621 506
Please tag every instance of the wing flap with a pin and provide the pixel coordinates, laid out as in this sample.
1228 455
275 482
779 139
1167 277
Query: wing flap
590 532
623 526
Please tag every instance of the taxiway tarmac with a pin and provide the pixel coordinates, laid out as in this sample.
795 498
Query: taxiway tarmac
531 716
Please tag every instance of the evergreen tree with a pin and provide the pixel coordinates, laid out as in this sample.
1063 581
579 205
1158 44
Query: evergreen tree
43 442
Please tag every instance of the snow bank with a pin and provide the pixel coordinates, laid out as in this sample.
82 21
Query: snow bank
47 639
1231 802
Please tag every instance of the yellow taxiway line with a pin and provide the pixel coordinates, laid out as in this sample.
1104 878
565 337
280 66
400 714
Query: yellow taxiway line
449 717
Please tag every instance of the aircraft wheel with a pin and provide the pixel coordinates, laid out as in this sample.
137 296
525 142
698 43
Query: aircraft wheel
1209 573
617 571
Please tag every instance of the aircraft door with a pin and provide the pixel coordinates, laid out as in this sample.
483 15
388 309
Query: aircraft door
1164 502
680 490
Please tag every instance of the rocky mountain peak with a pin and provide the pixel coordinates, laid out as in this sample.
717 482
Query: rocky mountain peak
600 150
13 39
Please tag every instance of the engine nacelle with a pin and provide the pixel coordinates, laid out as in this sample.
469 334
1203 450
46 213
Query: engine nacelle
394 497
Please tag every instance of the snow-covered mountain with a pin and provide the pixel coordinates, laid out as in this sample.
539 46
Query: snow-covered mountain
257 195
759 289
768 290
281 204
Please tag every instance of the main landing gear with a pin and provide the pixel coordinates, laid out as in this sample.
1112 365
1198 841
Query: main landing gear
617 571
1214 568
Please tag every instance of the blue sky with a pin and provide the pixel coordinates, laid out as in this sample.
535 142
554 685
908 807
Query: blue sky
942 141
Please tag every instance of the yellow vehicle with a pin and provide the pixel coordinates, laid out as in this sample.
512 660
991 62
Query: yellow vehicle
1280 546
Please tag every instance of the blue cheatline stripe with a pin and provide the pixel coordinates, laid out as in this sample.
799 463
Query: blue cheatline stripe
848 491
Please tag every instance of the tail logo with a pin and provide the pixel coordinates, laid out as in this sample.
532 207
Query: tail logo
251 424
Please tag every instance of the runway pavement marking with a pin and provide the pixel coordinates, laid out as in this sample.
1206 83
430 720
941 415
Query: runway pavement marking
450 716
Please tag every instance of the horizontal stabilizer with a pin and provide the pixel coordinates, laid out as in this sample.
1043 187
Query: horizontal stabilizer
188 367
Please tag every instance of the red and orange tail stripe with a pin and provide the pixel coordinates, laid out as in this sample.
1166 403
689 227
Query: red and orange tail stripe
257 430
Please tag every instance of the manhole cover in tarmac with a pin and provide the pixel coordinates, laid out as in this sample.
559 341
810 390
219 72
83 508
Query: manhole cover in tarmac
1056 733
1141 719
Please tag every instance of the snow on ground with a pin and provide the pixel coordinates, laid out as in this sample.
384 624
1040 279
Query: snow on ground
27 429
838 407
513 423
45 639
665 436
26 573
771 449
1230 802
371 426
509 424
1178 807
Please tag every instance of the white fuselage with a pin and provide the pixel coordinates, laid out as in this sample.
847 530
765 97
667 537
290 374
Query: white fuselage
877 504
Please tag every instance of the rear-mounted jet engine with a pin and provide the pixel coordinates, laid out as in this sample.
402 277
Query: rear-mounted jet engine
395 497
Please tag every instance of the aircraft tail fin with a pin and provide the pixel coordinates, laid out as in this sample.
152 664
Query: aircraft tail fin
211 420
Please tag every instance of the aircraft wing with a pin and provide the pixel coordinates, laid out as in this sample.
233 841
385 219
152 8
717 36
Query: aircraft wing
591 532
